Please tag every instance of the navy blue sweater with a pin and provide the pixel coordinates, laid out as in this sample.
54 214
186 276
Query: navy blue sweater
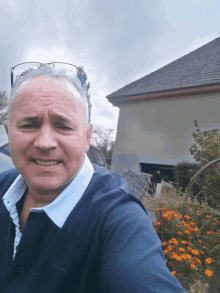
107 244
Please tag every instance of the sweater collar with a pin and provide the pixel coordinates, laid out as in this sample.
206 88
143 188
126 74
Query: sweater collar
60 208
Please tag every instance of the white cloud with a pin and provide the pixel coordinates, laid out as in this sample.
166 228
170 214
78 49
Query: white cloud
117 42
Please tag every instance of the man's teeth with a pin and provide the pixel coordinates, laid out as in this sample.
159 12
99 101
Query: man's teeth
46 163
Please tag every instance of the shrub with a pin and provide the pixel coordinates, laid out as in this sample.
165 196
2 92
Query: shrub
206 145
190 236
183 172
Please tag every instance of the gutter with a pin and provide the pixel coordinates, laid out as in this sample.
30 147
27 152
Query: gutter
118 100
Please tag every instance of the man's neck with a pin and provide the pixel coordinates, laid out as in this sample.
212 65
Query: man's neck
37 200
34 200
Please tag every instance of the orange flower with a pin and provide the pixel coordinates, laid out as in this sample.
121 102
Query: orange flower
187 217
157 223
166 252
192 223
165 210
189 248
213 240
184 242
204 247
177 225
168 219
200 241
194 251
174 255
201 252
184 256
171 240
190 237
164 243
196 229
179 216
174 214
157 209
174 241
181 249
208 273
198 260
170 247
173 273
188 256
187 232
155 229
192 266
165 215
217 233
209 260
207 216
179 258
180 233
209 232
198 212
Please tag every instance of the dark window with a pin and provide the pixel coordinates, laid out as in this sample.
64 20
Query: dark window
166 171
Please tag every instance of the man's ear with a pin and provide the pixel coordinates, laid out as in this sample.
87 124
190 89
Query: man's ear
89 134
6 128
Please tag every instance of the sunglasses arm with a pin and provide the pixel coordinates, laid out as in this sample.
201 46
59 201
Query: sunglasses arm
12 77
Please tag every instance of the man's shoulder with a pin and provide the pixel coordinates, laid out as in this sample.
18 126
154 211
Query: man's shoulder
6 180
110 179
12 173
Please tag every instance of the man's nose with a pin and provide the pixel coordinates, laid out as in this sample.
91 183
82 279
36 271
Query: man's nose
45 139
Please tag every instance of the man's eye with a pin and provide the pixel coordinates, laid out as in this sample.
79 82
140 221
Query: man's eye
63 127
29 126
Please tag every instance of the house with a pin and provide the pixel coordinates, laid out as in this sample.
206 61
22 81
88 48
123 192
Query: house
157 112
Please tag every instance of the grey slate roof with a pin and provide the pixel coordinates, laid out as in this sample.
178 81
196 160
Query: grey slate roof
198 68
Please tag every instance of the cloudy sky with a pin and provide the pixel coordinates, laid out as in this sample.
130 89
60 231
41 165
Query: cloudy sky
116 41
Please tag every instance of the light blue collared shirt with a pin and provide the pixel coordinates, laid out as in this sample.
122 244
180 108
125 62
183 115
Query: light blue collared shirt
59 209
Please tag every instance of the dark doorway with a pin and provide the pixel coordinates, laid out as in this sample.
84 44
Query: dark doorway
166 171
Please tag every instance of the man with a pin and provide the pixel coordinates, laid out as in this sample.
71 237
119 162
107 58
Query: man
158 177
67 225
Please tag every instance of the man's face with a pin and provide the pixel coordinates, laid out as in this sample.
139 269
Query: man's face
48 133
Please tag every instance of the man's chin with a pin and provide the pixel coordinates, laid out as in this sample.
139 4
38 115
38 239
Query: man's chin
47 187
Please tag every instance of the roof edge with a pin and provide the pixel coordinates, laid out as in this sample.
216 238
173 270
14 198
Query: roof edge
117 101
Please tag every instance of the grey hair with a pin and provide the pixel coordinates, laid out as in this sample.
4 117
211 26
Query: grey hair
45 70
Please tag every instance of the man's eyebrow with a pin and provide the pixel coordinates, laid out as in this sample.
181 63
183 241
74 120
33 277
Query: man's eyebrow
60 118
29 119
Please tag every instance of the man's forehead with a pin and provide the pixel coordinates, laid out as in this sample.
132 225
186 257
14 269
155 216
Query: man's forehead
48 84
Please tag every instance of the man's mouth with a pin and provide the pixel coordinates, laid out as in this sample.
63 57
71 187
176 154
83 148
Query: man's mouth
46 163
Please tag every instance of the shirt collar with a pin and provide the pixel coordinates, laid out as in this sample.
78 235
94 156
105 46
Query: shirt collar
60 208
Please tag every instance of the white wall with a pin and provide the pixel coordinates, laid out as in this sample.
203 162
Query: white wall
160 131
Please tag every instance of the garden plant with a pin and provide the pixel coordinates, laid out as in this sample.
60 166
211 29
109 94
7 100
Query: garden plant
190 236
